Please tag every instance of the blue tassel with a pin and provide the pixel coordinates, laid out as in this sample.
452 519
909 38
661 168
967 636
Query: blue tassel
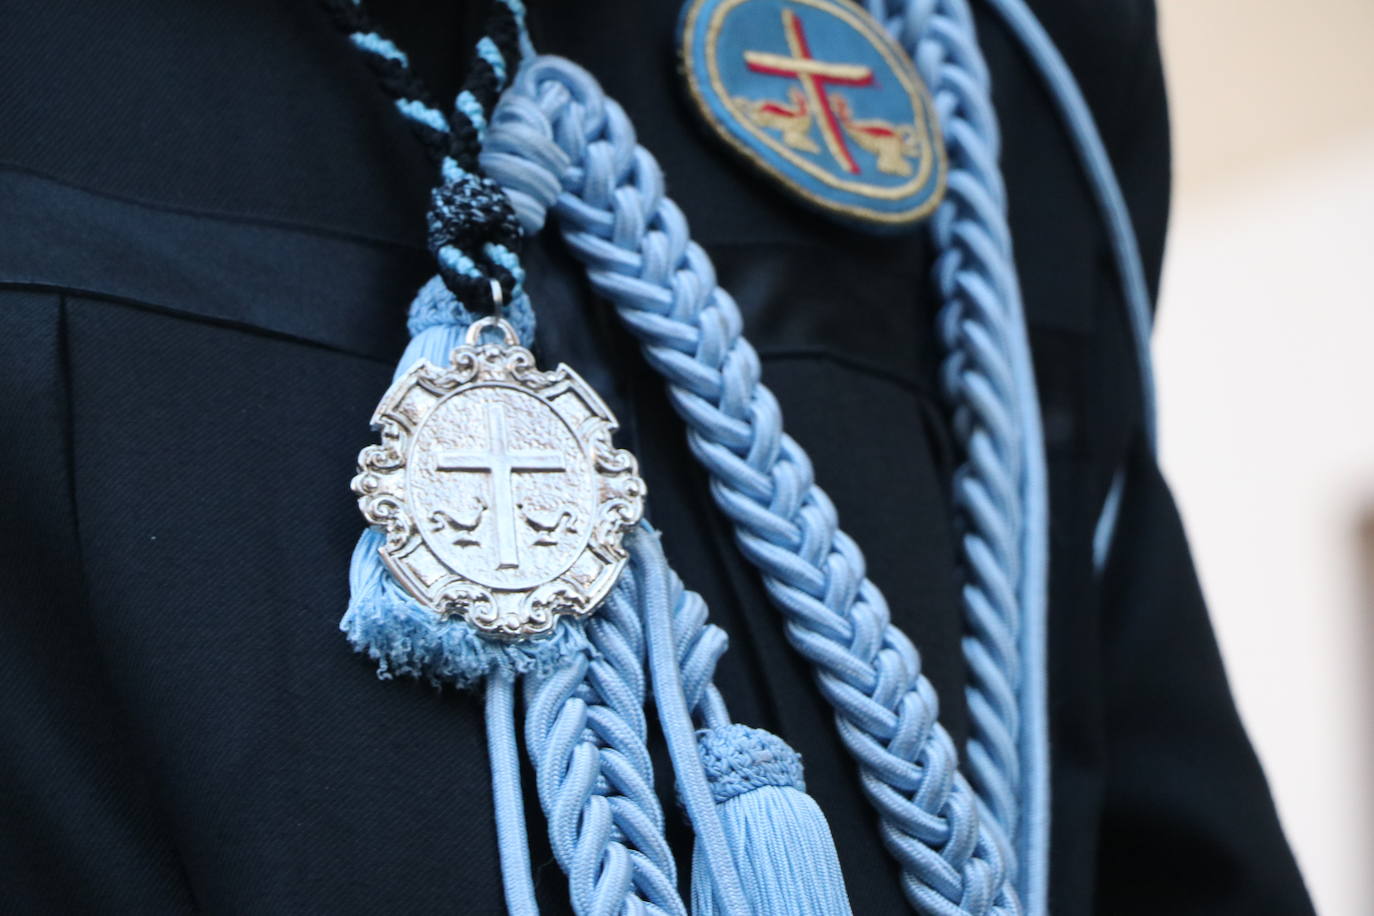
778 836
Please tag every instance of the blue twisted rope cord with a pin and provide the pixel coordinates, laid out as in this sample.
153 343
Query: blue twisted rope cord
585 728
1000 491
585 734
585 685
556 141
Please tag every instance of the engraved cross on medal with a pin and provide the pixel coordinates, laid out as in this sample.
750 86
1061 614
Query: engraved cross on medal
502 462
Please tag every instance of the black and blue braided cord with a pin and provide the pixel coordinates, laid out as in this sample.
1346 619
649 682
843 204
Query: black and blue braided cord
472 230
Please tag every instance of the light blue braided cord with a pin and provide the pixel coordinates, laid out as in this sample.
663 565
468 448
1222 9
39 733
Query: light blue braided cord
504 757
585 733
634 241
660 594
763 846
1000 491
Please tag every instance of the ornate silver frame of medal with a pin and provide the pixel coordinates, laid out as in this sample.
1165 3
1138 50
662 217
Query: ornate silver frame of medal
500 492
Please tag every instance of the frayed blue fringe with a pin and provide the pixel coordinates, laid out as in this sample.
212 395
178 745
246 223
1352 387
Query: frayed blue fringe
407 640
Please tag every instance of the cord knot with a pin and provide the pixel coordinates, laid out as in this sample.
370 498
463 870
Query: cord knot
468 211
740 759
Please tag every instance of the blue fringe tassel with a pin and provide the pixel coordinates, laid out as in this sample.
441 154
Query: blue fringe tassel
779 838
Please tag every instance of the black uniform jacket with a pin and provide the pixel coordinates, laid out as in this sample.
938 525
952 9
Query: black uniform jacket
211 223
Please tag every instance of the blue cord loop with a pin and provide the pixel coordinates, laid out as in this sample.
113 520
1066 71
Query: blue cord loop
1111 204
635 244
585 684
966 847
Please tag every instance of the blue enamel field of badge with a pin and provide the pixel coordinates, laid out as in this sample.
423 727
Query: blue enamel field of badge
816 94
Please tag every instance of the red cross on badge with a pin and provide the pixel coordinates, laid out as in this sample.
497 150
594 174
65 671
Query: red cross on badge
814 75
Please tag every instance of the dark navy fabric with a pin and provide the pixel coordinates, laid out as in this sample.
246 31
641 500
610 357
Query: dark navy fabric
212 224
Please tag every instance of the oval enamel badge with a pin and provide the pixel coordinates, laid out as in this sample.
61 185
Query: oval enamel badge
818 96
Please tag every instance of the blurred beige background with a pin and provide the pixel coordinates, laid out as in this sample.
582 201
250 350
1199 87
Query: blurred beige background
1265 362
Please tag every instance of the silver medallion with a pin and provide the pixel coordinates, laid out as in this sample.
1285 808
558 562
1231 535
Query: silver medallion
501 495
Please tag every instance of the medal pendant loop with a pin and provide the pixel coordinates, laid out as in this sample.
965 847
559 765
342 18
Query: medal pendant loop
473 337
